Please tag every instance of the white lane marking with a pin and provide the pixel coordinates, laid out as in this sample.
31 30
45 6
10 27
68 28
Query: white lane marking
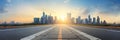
31 37
84 34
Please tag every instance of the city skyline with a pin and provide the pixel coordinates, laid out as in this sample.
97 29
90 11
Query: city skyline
68 19
63 19
25 10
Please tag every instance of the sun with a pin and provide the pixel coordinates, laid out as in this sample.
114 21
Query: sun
62 18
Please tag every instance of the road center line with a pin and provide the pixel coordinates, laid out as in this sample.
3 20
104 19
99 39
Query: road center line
60 34
31 37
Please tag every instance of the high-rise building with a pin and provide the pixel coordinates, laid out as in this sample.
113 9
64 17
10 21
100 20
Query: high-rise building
86 21
89 19
36 20
43 14
69 18
98 20
78 20
94 20
43 19
81 21
50 20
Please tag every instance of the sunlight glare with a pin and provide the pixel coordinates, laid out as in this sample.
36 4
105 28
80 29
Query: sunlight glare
62 18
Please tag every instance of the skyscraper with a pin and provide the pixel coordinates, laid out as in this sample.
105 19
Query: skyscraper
78 20
50 19
89 19
86 21
94 20
44 19
98 20
69 18
43 14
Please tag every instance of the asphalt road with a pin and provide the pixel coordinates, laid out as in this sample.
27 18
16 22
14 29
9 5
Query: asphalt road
18 33
104 34
59 32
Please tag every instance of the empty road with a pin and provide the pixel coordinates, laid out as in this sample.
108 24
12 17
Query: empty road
59 32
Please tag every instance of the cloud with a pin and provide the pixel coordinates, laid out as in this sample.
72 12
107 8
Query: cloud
9 1
86 11
66 1
3 5
111 7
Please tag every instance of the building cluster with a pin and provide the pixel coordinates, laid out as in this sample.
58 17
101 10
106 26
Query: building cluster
10 23
48 19
45 19
90 20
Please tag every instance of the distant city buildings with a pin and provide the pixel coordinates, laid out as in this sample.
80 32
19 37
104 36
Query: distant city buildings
90 20
45 19
48 19
78 20
10 23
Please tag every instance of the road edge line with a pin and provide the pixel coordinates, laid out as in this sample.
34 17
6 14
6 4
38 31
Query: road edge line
85 34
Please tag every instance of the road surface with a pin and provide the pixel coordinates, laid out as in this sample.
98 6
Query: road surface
18 33
59 32
104 34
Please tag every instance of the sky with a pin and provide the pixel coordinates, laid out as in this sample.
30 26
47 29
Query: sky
26 10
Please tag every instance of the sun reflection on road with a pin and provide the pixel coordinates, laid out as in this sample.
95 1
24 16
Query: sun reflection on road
60 33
